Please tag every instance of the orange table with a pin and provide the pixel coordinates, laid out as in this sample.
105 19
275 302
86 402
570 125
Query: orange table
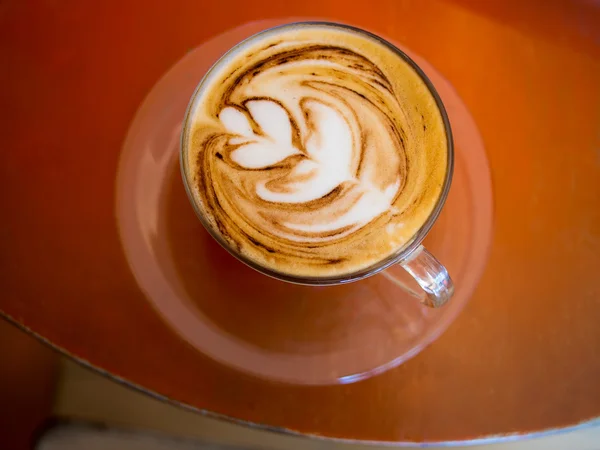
525 354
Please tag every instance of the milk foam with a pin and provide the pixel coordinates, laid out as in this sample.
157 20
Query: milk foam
327 163
307 157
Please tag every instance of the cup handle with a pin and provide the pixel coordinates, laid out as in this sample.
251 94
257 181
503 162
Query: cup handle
430 274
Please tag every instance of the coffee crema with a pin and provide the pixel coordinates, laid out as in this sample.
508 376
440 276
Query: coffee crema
315 150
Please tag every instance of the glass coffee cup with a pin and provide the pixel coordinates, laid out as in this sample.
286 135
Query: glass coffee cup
432 277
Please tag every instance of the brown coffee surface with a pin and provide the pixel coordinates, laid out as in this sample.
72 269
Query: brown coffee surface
315 150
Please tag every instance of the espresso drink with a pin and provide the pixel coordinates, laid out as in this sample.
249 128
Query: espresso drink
315 150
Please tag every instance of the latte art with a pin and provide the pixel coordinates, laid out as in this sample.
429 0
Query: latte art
315 151
329 146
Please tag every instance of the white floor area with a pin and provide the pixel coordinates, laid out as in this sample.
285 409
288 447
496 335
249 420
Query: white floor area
136 421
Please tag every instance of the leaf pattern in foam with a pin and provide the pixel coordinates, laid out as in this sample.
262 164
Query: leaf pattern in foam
259 155
256 151
236 122
273 120
329 146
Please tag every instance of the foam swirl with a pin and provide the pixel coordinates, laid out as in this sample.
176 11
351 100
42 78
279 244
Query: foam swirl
304 155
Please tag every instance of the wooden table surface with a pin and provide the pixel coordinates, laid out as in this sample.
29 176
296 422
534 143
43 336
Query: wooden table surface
525 354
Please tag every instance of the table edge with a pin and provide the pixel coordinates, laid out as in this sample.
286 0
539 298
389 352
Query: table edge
486 439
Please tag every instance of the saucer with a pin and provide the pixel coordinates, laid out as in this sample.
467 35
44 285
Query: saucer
268 328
